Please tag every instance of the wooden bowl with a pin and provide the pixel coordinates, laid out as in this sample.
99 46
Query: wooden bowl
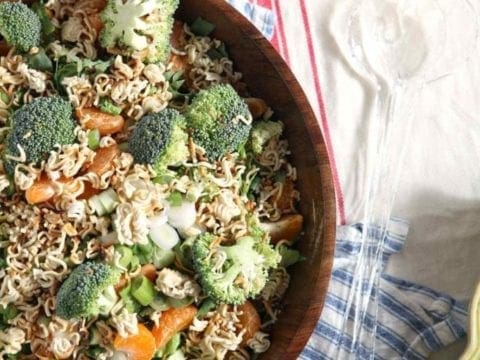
268 77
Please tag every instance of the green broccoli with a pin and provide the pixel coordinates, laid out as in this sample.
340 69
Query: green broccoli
289 256
19 25
262 132
37 127
219 120
159 140
142 26
88 291
242 275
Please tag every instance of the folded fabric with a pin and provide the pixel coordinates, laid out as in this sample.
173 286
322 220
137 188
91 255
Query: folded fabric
261 17
410 321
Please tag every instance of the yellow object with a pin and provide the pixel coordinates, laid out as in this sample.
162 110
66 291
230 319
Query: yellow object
473 348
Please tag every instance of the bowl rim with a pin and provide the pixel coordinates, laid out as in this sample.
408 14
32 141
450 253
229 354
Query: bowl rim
316 304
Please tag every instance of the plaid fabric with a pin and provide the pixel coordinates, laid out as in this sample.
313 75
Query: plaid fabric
411 321
260 16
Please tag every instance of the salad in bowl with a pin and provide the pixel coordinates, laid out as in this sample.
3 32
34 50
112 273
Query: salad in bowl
148 207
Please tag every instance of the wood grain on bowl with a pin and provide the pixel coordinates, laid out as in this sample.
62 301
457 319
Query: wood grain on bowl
269 78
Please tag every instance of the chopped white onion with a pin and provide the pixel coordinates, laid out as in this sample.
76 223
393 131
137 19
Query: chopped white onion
158 220
183 216
164 236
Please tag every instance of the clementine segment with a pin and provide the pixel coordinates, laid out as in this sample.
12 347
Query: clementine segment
92 118
172 322
103 160
138 347
250 321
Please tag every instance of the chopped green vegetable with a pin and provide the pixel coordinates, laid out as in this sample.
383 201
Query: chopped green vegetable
104 203
160 303
202 27
131 304
109 107
162 258
4 97
289 256
207 306
172 345
126 255
180 303
175 198
40 61
143 290
94 139
47 26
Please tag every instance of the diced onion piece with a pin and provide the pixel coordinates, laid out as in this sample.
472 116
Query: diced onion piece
183 216
158 220
164 236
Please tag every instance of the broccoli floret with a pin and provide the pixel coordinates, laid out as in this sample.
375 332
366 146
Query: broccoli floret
262 132
19 25
159 140
219 120
138 26
289 256
88 291
37 127
240 272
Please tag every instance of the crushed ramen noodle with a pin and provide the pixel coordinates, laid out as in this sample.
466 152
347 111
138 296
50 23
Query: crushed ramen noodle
144 201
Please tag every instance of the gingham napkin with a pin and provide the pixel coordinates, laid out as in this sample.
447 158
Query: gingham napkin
260 16
411 321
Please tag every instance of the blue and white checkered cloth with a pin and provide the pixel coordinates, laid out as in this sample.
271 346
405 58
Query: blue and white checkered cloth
410 321
262 18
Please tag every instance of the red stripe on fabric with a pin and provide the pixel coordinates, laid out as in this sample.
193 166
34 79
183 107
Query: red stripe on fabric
323 114
282 39
265 3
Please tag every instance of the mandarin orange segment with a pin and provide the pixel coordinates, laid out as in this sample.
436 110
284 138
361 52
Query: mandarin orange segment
96 22
104 159
88 191
149 271
287 228
93 118
138 347
42 190
257 107
172 322
250 321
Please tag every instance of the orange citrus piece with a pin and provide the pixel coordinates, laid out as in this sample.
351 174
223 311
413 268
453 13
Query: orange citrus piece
42 190
149 271
250 321
93 118
88 191
103 160
96 21
138 347
172 322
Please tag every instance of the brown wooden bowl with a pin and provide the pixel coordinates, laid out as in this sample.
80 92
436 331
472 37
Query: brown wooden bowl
268 77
